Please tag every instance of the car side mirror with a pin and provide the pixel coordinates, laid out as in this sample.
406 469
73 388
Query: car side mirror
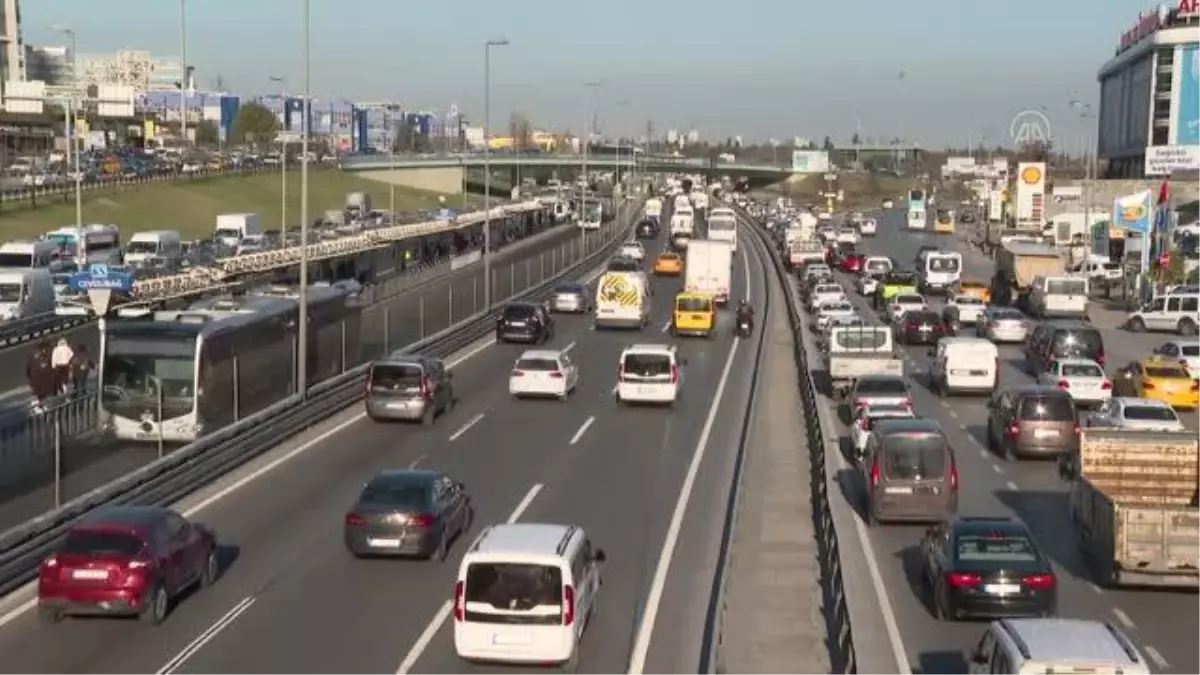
600 556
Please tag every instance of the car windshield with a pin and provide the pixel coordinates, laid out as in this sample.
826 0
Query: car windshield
1081 370
1048 409
1167 372
1191 350
913 456
569 289
1066 287
537 364
905 299
968 300
861 339
1150 413
943 264
995 548
1084 342
693 305
93 543
518 312
884 410
514 587
1007 315
396 376
647 364
405 494
878 265
834 307
881 386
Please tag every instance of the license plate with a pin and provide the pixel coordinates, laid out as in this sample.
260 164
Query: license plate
977 373
516 324
511 639
898 491
401 405
1045 433
89 574
1002 589
645 390
925 329
384 543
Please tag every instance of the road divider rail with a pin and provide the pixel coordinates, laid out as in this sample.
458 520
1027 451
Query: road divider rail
24 547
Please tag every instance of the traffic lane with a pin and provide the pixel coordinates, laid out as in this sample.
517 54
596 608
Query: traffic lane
262 528
535 437
621 483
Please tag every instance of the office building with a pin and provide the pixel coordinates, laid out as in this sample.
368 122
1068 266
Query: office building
51 65
131 68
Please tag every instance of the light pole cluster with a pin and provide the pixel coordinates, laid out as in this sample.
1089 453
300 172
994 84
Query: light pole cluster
487 167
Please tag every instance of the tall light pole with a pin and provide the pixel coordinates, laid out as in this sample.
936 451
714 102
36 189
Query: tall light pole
487 167
282 81
183 84
302 348
391 136
587 138
74 105
1085 114
617 173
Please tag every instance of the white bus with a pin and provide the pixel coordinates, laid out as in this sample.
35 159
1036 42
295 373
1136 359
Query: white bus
722 226
88 244
593 214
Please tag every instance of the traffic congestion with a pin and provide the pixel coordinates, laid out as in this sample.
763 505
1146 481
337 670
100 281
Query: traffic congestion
1007 463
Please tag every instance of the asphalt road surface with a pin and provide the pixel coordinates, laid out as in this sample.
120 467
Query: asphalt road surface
423 310
293 600
1164 623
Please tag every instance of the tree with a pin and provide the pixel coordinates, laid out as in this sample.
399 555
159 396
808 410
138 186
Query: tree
207 134
254 124
521 131
828 144
856 139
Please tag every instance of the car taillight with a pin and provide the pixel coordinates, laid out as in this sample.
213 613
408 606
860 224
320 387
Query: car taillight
51 562
1038 582
1014 429
674 374
422 520
1063 384
954 479
557 374
1078 430
1100 358
1148 385
1195 385
1106 385
355 520
865 424
518 373
139 564
913 326
568 605
426 389
963 580
874 476
460 605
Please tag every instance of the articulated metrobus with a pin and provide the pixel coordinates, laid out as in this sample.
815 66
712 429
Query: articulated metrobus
916 209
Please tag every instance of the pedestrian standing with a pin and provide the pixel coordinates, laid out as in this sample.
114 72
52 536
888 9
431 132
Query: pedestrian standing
60 360
40 375
81 368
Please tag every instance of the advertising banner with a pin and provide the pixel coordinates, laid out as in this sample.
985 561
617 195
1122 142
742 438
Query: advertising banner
1187 120
810 161
1031 194
1163 160
1133 213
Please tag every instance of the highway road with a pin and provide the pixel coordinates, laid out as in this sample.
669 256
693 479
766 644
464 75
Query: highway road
292 599
1163 623
423 310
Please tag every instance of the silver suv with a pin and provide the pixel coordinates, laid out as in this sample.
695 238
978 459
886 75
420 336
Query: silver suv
409 387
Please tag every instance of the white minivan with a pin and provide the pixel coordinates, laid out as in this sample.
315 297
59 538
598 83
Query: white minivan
1059 296
964 364
525 593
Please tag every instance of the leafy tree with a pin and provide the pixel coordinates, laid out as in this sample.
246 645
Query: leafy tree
521 131
828 144
207 134
254 124
856 139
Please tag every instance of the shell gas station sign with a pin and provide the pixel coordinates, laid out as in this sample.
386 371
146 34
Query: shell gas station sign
1031 195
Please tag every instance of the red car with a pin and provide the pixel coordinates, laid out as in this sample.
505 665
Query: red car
127 560
853 263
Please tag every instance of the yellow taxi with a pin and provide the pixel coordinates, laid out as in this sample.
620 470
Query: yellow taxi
695 314
1161 380
668 265
945 222
976 289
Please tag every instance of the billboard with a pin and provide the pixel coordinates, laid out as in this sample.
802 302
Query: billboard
810 161
1163 160
1133 212
1031 194
1187 119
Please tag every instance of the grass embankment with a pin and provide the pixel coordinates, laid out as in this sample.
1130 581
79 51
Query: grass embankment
191 207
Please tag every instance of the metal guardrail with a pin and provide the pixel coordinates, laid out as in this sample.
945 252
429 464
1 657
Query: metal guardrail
183 471
840 638
70 417
31 328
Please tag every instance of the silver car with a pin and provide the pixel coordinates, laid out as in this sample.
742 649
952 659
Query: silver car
1083 379
1136 414
1002 324
571 298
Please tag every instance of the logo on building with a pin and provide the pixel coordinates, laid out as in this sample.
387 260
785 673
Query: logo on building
1030 127
1031 175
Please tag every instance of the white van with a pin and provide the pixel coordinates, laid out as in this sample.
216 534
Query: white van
28 254
1177 310
622 300
1059 296
1053 645
156 244
26 293
648 373
964 364
93 243
525 594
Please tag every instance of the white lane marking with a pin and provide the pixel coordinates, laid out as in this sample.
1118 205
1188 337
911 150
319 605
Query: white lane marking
1011 486
645 632
569 347
996 468
951 413
666 327
443 612
1156 657
615 388
1095 589
1122 617
582 429
417 462
211 632
466 427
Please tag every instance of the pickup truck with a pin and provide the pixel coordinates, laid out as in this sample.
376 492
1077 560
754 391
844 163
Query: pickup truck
1133 501
858 351
805 251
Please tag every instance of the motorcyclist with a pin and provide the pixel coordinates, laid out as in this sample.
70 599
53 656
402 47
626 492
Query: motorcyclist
745 313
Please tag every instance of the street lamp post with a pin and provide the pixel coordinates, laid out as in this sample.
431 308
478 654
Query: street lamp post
587 138
282 161
302 347
487 168
73 107
617 173
183 84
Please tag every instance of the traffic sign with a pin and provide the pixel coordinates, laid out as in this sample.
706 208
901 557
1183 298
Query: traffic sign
101 298
102 277
1164 260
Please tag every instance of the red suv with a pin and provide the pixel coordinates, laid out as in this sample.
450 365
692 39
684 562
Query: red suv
128 560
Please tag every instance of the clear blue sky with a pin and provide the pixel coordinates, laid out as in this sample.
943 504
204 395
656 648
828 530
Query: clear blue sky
759 69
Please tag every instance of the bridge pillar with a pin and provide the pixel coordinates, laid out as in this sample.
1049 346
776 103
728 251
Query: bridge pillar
443 179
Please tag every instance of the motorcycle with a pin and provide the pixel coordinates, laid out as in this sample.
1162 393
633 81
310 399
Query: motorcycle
744 327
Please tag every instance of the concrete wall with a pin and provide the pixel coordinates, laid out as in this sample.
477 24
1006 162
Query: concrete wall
446 180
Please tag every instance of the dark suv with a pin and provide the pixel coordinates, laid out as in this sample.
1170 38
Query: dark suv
1064 339
524 322
1032 420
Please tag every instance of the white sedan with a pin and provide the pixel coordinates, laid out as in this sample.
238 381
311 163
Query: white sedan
1083 379
1136 414
970 308
847 235
543 372
828 311
867 227
634 250
824 293
868 285
904 303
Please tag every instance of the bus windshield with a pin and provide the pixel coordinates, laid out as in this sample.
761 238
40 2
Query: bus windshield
135 369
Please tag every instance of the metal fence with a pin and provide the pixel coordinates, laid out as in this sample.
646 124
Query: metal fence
53 458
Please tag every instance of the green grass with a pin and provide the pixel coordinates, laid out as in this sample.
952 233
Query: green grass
192 206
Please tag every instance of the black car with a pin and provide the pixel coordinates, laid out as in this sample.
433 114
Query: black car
622 263
648 228
923 327
986 567
409 512
524 322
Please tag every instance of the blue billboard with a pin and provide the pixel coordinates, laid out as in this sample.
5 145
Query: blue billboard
1187 120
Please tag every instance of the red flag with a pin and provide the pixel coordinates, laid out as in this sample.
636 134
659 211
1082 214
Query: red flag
1164 191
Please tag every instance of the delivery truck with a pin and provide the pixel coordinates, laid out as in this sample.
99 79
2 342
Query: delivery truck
709 268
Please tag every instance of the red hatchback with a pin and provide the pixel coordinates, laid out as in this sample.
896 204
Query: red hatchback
853 263
128 560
